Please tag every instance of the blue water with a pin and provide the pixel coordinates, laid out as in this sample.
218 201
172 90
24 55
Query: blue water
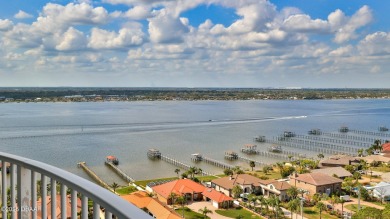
63 134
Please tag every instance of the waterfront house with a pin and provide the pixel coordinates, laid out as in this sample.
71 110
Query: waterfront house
386 148
339 161
152 206
338 172
277 188
248 183
316 183
182 187
217 199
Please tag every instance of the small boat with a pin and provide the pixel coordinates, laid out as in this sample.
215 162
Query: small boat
112 159
275 149
314 132
383 129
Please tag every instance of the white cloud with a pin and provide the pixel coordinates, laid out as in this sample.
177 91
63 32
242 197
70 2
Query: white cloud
72 39
347 32
126 37
303 23
5 25
22 15
377 43
139 12
164 28
342 51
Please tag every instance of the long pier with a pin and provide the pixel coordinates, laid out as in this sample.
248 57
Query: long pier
379 134
217 163
265 153
350 141
249 160
181 165
368 140
120 172
93 175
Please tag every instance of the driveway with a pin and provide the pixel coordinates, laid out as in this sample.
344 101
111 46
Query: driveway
195 206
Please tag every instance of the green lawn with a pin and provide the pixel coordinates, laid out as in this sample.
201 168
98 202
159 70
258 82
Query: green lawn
189 214
269 175
354 207
313 213
233 213
125 190
381 169
144 182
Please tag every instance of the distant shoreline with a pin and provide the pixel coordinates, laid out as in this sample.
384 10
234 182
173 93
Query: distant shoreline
8 95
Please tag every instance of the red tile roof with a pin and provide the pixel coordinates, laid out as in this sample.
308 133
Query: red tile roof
178 187
142 200
386 148
215 195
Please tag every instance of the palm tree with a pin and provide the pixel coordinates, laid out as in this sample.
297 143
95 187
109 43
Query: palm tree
252 164
261 199
320 156
114 186
191 171
252 199
181 200
275 203
236 190
290 157
334 200
205 211
293 205
173 197
228 172
342 201
360 152
177 171
292 192
320 206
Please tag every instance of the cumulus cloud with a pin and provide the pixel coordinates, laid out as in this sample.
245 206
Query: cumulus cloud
347 32
5 25
126 37
139 12
303 23
55 16
22 15
164 28
72 39
377 43
342 51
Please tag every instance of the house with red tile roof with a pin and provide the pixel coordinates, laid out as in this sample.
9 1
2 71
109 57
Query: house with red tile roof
386 148
58 206
316 183
218 199
182 187
152 206
192 191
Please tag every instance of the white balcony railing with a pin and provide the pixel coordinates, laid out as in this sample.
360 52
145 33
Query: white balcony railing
22 202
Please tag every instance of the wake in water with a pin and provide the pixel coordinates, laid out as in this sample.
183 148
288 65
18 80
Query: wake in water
137 127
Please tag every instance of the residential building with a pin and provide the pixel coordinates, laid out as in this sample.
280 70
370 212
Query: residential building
382 191
338 172
150 205
58 206
316 183
339 161
278 188
182 187
218 199
248 183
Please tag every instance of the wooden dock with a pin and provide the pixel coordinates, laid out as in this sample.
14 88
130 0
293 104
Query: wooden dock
93 175
199 157
120 172
259 163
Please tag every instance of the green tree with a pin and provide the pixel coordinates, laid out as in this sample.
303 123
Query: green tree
172 196
181 200
252 164
114 186
252 198
205 211
360 152
177 171
321 207
342 201
334 200
292 192
228 172
237 190
293 205
266 169
320 156
274 202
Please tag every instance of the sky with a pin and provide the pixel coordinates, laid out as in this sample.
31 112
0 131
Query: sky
195 43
